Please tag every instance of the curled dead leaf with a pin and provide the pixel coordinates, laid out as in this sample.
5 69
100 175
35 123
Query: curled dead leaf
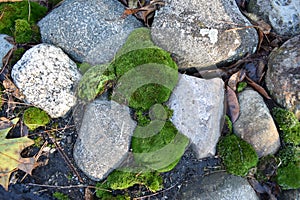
233 110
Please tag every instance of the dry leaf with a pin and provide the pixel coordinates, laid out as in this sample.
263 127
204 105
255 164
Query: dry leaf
258 88
233 110
12 88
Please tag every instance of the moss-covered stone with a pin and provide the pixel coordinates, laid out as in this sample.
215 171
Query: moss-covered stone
160 149
238 156
11 13
146 73
94 82
34 117
288 177
123 179
288 124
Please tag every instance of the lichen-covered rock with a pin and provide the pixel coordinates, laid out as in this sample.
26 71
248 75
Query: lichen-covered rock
103 139
198 106
47 77
255 124
283 75
283 16
90 31
5 47
195 32
146 73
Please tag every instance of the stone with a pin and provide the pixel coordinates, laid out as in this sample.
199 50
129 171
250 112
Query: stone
103 138
283 75
290 195
5 47
47 77
282 15
255 124
89 31
198 112
201 34
217 186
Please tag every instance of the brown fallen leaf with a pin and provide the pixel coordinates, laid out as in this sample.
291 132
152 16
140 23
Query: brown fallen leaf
233 110
10 87
258 88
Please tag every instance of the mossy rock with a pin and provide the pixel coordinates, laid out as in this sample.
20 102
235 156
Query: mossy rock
288 177
123 179
94 82
12 13
288 124
34 117
161 151
289 154
146 73
238 156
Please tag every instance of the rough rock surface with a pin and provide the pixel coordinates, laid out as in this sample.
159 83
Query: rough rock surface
283 75
290 195
283 15
217 186
90 31
198 106
47 77
5 47
103 139
195 32
255 124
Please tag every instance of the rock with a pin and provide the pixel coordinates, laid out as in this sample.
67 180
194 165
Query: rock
90 31
195 32
5 47
255 124
198 106
217 186
282 15
283 75
47 77
290 195
103 139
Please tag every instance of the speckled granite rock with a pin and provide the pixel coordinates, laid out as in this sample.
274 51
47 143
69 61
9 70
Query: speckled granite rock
5 47
103 139
90 31
255 124
198 106
217 186
47 77
283 75
195 32
283 15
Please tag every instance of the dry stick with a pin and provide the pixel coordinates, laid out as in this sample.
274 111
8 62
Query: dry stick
151 195
69 186
29 10
71 166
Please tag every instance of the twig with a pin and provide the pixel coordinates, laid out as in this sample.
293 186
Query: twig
29 10
151 195
69 186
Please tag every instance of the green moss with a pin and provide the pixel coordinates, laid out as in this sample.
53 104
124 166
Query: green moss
228 123
288 177
123 179
84 67
289 154
158 148
22 31
11 13
238 156
288 124
60 196
16 56
34 117
94 82
241 86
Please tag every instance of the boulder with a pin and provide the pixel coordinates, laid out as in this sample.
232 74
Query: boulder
89 31
283 75
47 77
255 124
201 33
198 112
5 47
103 138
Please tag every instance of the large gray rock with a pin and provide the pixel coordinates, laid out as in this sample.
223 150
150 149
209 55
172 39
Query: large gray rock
5 47
255 124
217 186
283 75
103 139
89 30
47 77
195 32
283 15
198 106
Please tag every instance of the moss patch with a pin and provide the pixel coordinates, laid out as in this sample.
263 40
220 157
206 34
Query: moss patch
241 86
35 117
161 151
12 13
288 177
238 156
